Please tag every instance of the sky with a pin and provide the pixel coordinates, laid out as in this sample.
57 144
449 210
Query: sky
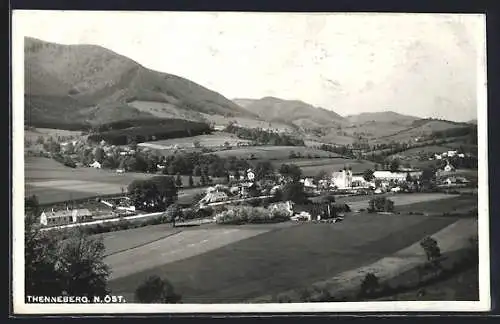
426 65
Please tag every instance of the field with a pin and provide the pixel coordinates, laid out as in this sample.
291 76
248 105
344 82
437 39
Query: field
274 152
267 263
336 164
233 264
410 202
213 140
248 122
53 182
425 149
446 205
33 134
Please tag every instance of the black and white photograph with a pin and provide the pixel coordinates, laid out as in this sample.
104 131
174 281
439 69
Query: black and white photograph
185 162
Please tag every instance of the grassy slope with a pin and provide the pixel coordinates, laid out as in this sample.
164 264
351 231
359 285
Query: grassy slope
94 81
463 286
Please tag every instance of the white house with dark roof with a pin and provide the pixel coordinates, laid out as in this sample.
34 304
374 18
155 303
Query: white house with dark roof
65 216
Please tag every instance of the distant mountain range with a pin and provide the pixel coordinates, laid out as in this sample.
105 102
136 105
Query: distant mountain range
294 112
68 84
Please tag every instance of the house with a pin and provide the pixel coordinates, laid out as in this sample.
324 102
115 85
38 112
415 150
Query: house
324 183
388 175
120 170
448 167
396 176
96 165
308 182
461 155
62 217
358 181
451 153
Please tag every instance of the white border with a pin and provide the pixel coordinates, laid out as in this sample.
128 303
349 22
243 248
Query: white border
401 306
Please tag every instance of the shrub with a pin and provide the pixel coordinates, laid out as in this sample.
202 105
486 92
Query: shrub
238 215
156 290
381 204
369 285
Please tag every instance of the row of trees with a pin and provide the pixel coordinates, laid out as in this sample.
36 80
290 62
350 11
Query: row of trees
263 136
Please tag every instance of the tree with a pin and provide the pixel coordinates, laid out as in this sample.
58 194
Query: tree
368 175
167 189
156 290
99 155
145 195
433 253
178 181
263 169
294 191
408 177
431 248
197 171
369 285
380 204
80 263
291 172
321 175
203 179
428 174
394 166
173 212
191 181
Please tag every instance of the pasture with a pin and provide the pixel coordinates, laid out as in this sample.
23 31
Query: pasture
248 123
401 201
274 152
262 262
217 139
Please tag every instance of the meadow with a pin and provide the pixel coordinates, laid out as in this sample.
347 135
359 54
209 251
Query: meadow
217 139
53 182
274 152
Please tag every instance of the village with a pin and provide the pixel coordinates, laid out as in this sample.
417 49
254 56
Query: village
242 186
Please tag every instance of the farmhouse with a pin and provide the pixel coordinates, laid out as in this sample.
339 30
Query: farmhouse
308 183
395 176
67 216
448 167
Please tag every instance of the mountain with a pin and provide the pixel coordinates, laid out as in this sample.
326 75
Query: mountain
91 84
293 112
382 117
